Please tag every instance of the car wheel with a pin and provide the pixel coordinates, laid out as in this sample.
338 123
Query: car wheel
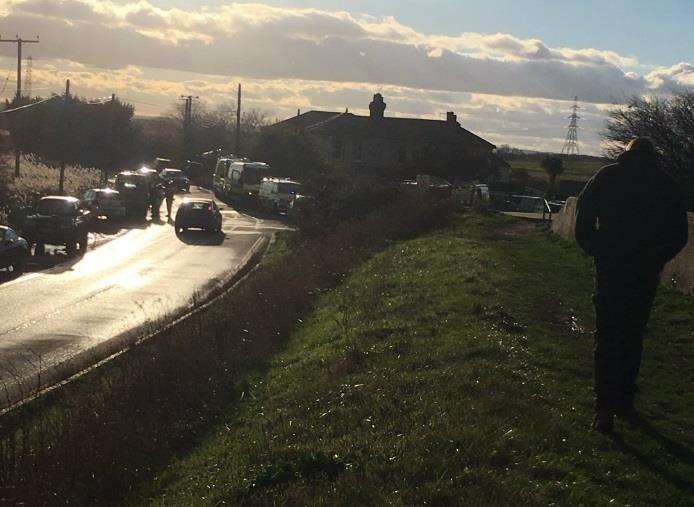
71 248
83 244
39 249
20 265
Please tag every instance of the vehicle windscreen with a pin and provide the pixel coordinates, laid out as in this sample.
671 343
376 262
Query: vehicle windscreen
130 183
288 188
55 207
106 196
252 175
171 173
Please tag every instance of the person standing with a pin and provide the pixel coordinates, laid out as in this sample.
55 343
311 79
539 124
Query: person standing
632 219
170 191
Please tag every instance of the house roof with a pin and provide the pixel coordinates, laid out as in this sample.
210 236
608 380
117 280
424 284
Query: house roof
401 129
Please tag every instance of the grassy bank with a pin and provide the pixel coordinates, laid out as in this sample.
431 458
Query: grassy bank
93 440
455 367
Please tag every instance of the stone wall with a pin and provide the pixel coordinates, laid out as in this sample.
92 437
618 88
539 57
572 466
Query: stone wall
563 223
678 273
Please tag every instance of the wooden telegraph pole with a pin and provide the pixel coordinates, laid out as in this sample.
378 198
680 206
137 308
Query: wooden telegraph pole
238 124
19 41
61 182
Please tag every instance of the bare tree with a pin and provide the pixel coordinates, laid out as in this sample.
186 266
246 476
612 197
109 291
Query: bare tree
668 122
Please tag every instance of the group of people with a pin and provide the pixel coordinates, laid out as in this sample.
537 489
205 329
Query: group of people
159 192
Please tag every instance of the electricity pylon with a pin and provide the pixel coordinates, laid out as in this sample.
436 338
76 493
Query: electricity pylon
571 143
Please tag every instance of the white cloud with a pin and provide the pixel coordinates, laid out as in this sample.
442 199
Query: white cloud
261 41
502 86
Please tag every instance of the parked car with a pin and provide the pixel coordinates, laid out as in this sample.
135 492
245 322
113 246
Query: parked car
133 190
150 173
198 214
472 194
177 178
298 205
276 194
58 220
104 202
14 250
527 204
160 164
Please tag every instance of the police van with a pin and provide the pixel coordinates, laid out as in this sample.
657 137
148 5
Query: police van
239 180
276 194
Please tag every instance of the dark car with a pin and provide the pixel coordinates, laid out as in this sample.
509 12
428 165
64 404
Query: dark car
198 214
134 192
104 202
177 178
58 220
14 250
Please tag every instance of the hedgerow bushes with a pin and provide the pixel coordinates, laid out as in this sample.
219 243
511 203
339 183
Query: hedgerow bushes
120 423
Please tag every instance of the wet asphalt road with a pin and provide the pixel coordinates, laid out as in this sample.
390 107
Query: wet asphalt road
88 307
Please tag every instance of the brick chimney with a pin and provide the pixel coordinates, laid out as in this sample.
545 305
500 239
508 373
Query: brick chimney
452 119
377 107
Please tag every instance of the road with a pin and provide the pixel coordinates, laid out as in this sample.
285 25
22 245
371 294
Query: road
85 309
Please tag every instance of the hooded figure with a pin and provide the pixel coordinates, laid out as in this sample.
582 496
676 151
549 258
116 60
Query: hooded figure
632 219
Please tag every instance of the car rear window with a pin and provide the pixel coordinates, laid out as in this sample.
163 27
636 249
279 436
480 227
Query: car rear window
106 196
130 182
55 207
199 206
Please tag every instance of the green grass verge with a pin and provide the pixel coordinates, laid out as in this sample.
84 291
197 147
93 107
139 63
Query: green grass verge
451 368
574 170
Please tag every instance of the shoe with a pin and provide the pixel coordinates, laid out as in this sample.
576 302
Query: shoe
603 422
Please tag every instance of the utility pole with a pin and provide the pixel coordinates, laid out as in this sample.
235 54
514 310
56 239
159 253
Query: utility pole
187 122
112 159
238 124
61 183
18 97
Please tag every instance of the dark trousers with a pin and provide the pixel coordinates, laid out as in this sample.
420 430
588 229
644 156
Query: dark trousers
623 300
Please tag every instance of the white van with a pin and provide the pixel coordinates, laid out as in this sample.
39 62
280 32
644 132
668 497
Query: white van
275 194
239 179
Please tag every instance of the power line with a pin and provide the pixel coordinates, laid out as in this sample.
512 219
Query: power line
6 111
19 41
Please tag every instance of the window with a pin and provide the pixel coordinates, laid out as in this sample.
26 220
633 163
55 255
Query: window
56 207
10 235
357 150
338 149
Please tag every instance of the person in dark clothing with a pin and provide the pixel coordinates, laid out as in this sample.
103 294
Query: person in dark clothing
632 219
170 192
156 197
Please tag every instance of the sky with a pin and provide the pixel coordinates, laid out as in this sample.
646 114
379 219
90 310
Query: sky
509 72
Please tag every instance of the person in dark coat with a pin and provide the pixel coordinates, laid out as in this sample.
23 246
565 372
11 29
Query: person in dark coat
632 219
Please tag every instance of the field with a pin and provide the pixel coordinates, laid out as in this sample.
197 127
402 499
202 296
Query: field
574 169
451 368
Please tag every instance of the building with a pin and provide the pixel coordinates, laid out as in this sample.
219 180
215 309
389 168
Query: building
401 147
